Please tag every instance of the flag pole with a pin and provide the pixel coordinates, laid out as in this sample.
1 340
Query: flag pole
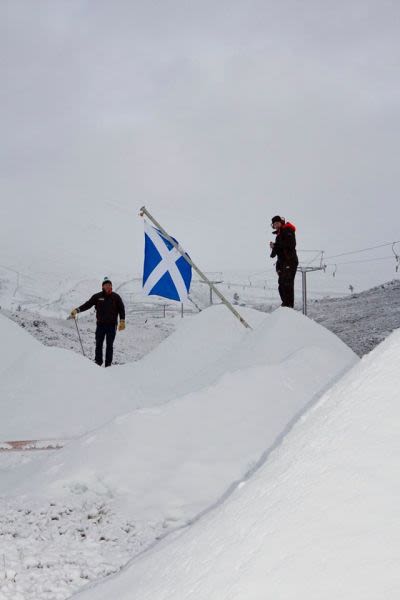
144 211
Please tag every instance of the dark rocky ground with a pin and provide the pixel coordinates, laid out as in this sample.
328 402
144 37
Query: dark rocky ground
362 320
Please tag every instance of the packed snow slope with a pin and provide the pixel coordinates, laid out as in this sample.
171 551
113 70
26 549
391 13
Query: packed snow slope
48 392
318 520
171 461
211 402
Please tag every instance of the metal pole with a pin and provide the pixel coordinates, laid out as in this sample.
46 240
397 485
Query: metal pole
79 335
211 297
144 211
182 310
194 303
304 290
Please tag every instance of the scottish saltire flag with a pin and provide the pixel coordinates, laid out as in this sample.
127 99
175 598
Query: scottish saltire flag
166 273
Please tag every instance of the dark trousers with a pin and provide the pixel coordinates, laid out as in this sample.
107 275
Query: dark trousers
105 331
286 275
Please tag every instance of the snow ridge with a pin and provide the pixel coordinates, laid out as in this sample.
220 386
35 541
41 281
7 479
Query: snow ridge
222 399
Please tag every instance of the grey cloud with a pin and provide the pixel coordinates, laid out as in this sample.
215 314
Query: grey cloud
214 114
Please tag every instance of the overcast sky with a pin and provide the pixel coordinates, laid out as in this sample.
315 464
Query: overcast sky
215 115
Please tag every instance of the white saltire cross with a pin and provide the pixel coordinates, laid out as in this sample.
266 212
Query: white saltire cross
167 263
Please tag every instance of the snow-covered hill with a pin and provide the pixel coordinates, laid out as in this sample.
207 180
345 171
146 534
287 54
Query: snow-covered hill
362 320
221 399
317 520
213 400
48 393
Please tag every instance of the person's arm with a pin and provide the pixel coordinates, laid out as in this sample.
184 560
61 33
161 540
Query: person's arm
121 308
288 244
276 246
289 240
86 305
121 312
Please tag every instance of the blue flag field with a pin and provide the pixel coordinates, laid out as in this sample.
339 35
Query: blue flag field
165 273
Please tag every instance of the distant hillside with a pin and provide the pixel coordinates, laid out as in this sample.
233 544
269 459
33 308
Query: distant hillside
362 320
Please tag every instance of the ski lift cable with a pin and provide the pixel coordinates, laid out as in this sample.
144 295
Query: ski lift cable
364 249
309 251
367 260
318 255
335 265
396 256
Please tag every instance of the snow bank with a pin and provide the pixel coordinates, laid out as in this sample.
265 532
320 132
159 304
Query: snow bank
317 520
195 355
48 392
15 343
169 462
215 399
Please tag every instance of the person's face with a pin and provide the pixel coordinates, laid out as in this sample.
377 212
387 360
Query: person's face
107 287
276 225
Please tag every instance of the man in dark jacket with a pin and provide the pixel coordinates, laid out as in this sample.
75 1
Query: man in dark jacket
284 248
108 307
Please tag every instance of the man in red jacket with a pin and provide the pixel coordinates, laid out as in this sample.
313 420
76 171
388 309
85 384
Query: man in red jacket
109 307
284 248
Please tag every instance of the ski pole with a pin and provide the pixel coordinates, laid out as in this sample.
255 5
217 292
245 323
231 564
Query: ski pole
79 335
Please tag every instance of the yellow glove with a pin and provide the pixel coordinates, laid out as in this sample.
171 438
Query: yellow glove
74 312
121 325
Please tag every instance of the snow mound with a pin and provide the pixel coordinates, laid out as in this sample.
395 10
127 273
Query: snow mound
50 393
195 355
317 520
170 462
16 343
